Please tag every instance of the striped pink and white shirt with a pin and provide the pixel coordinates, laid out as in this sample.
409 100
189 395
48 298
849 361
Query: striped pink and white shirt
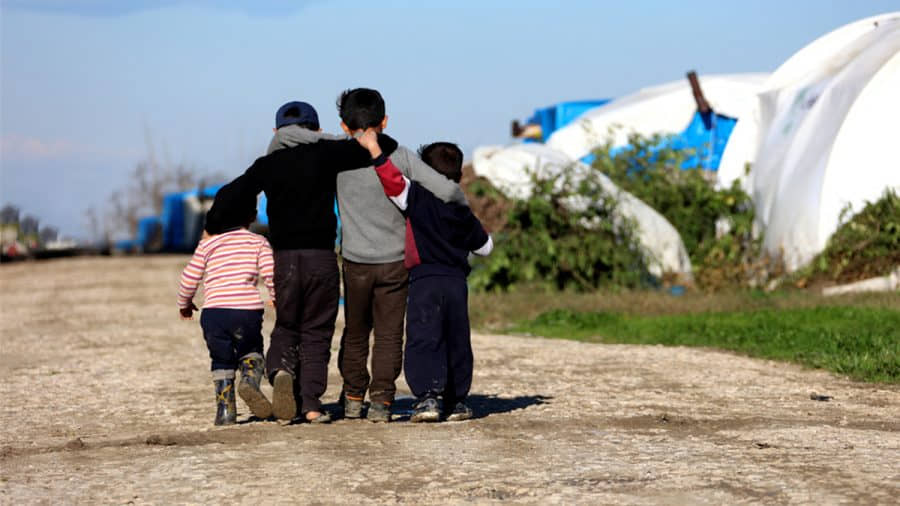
230 265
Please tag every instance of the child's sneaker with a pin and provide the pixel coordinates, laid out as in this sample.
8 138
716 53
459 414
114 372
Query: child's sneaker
251 375
426 410
284 407
460 412
226 410
352 407
379 412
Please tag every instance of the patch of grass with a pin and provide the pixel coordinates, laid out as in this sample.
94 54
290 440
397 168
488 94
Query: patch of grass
860 342
497 311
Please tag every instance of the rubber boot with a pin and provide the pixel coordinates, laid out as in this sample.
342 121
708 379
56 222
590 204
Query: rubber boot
284 405
226 411
251 375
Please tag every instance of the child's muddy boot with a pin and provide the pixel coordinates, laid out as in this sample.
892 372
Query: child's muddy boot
226 411
251 376
284 406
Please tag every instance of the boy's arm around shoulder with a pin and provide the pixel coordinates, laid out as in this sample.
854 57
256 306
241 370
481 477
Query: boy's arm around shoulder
396 185
250 183
347 154
415 169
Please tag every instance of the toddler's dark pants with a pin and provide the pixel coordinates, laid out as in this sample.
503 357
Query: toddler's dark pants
307 294
438 357
231 334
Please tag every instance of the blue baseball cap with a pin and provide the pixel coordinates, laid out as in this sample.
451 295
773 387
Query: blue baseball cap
293 113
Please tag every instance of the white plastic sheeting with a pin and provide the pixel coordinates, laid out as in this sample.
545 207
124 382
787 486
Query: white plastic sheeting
665 109
822 136
510 169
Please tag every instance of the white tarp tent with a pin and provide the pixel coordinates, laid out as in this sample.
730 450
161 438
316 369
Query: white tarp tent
667 108
822 136
510 168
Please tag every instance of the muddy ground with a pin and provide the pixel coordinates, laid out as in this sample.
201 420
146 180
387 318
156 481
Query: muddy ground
107 399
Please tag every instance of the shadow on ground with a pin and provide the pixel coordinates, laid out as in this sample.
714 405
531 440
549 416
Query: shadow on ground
482 405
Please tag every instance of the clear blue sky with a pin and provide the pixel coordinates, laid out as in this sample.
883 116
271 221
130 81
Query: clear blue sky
85 83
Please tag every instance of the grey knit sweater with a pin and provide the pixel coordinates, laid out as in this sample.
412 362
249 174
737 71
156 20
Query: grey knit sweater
373 229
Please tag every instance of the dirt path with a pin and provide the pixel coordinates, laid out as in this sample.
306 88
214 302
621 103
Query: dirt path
107 399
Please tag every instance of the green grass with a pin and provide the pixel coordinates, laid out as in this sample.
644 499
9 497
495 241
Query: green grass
860 342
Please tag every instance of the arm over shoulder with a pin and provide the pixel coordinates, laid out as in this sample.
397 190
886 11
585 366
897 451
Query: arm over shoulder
347 154
415 169
229 196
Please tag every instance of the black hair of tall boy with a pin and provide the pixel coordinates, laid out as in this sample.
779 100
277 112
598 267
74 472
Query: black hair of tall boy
361 108
444 157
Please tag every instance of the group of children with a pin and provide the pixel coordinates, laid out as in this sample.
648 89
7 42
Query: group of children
407 233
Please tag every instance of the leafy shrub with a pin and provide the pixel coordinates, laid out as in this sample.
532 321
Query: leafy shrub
554 239
864 246
715 224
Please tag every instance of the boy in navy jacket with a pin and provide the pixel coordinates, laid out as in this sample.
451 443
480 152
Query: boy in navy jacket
439 237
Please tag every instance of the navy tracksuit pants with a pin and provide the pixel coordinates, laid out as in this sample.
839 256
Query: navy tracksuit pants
438 355
231 334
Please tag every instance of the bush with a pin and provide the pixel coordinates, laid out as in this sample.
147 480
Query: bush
865 245
553 239
715 224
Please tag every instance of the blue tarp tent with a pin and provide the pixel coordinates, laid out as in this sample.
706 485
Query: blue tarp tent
181 223
706 134
557 116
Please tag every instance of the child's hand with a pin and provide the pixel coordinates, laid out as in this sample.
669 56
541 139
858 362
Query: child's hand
369 140
187 313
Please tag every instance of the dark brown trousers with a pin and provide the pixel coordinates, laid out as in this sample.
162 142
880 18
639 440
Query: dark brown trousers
307 293
374 299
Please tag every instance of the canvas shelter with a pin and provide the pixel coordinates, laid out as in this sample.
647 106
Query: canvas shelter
665 109
510 169
547 120
821 136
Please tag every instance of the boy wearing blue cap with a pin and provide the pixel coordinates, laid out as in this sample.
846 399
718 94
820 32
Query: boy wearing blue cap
299 183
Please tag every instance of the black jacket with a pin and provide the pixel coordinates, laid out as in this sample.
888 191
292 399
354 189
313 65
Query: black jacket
299 183
442 235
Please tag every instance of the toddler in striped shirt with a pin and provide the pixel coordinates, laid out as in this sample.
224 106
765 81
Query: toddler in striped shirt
230 265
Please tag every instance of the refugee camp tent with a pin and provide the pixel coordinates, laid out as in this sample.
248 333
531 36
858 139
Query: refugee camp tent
821 136
552 118
668 109
182 217
510 169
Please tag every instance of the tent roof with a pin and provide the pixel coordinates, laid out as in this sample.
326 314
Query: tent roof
666 108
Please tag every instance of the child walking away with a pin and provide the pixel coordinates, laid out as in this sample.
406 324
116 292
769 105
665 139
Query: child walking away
439 237
230 263
375 280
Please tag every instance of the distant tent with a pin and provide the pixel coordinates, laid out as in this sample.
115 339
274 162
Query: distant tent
550 119
667 109
182 217
510 169
821 136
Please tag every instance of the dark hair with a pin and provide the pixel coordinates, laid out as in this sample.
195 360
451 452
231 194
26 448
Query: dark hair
361 108
444 157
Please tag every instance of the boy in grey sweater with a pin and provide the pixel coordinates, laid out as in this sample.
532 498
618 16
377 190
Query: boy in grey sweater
375 279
